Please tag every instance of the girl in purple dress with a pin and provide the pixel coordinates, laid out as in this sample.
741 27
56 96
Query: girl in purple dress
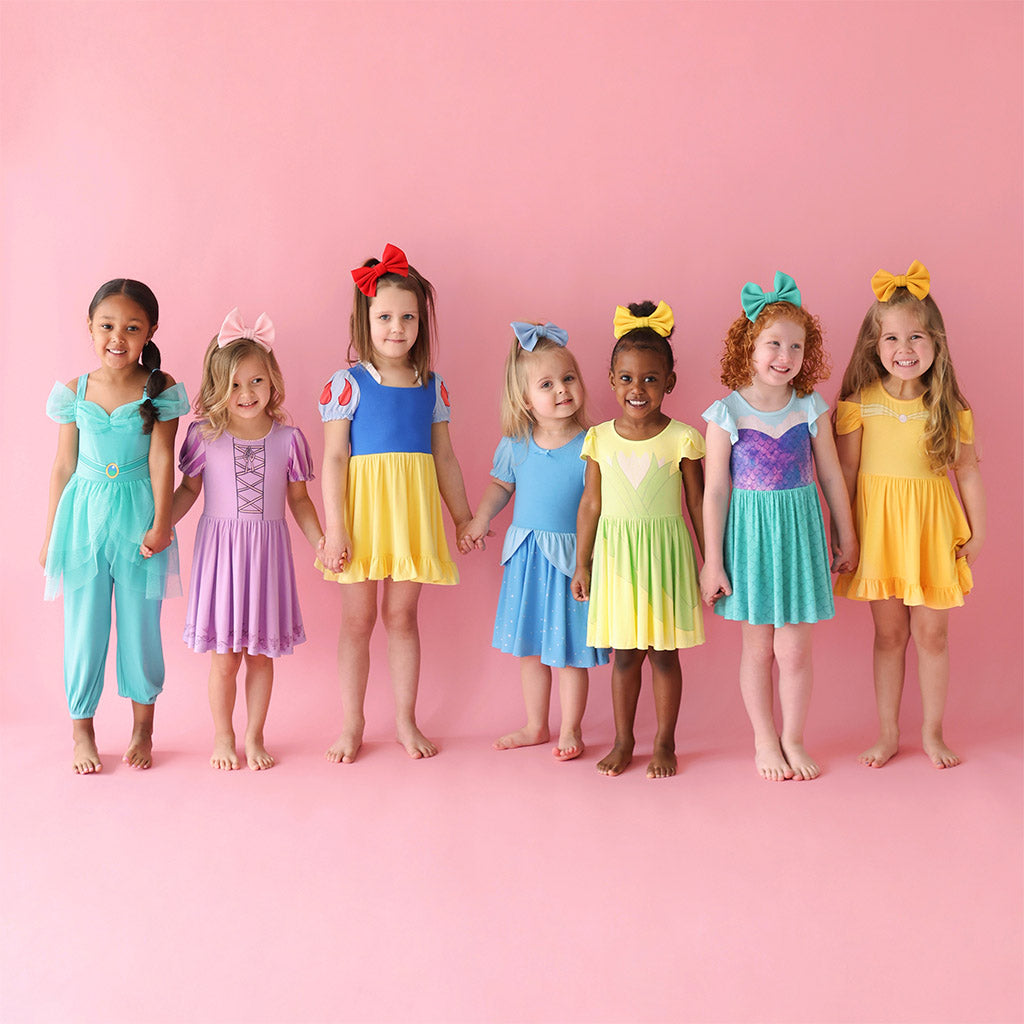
242 601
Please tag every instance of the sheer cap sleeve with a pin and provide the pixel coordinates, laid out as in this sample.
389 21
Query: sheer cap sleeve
339 398
61 404
192 457
442 404
589 450
691 444
720 414
816 405
300 458
172 403
507 456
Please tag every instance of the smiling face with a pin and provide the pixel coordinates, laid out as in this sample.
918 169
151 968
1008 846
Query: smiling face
641 380
553 390
119 328
905 348
394 324
778 353
250 392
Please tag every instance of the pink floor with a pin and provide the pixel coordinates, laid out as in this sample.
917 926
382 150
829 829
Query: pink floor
485 886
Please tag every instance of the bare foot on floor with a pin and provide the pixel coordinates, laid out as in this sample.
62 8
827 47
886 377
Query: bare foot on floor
525 737
882 751
344 749
86 758
941 755
570 745
140 751
771 763
617 760
416 744
663 764
256 756
802 764
224 756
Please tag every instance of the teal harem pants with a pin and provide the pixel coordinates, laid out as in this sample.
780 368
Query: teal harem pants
140 656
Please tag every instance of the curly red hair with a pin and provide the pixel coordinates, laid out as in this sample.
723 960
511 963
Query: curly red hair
737 359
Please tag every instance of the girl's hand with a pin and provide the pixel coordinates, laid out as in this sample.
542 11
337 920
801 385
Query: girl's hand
845 556
473 534
714 584
155 541
337 552
44 552
969 550
580 585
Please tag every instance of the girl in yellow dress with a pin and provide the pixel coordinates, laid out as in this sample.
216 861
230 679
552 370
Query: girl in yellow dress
902 425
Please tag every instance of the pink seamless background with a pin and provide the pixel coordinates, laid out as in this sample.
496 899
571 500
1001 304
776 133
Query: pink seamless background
536 161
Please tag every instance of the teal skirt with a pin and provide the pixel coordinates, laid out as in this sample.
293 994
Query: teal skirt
776 558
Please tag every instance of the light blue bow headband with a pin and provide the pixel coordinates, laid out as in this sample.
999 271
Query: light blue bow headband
753 299
528 334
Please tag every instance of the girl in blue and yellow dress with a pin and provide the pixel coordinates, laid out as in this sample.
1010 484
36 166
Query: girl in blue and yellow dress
543 418
108 529
388 460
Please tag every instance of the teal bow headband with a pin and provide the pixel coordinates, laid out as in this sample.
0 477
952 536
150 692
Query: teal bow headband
529 334
753 299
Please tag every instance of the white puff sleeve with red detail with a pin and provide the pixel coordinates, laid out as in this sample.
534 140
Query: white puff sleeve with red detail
339 398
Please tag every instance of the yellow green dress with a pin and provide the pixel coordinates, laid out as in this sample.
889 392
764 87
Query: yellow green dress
908 519
644 591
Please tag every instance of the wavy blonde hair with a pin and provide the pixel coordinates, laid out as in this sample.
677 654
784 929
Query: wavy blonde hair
219 368
943 400
738 357
516 419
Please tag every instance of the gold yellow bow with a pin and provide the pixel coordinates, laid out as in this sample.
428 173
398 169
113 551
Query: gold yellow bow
660 321
915 280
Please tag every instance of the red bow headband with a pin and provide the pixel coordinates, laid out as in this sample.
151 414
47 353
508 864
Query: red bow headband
392 262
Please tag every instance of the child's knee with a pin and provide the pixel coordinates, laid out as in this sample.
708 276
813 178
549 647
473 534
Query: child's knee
400 618
892 637
931 638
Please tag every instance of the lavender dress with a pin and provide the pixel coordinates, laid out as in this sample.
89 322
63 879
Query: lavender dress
242 596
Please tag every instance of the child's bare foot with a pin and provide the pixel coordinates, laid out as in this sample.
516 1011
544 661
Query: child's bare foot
570 745
663 764
942 757
140 751
86 757
883 750
416 744
256 756
617 760
344 749
525 737
224 755
771 763
802 764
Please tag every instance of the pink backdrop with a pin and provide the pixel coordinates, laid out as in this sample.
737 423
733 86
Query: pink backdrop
536 161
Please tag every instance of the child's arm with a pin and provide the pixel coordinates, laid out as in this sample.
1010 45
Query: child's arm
693 491
63 469
304 513
832 477
449 479
337 549
714 583
184 498
494 499
972 494
586 530
161 475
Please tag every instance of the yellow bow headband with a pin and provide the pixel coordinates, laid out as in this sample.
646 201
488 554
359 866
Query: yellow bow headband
915 280
660 321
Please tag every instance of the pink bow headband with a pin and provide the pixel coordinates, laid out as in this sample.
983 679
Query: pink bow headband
392 262
233 329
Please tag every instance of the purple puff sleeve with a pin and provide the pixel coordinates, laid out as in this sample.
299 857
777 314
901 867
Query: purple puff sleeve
192 457
300 459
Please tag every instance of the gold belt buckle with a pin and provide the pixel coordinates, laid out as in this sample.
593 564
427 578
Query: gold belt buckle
112 470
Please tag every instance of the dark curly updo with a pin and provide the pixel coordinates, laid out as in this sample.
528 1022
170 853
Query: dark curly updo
645 338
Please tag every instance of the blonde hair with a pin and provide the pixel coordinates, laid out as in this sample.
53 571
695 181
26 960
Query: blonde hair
738 357
219 368
516 419
943 400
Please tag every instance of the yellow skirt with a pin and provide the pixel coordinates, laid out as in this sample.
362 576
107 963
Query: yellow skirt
909 530
393 511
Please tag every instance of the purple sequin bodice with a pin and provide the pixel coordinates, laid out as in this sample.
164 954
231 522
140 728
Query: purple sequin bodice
764 463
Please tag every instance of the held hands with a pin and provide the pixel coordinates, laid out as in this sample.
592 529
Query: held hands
714 584
845 556
155 541
335 551
473 533
580 585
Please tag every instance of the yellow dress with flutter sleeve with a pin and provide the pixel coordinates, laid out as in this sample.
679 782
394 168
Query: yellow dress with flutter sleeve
909 521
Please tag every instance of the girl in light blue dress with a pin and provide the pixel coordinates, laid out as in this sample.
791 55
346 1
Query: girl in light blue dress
543 418
108 529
